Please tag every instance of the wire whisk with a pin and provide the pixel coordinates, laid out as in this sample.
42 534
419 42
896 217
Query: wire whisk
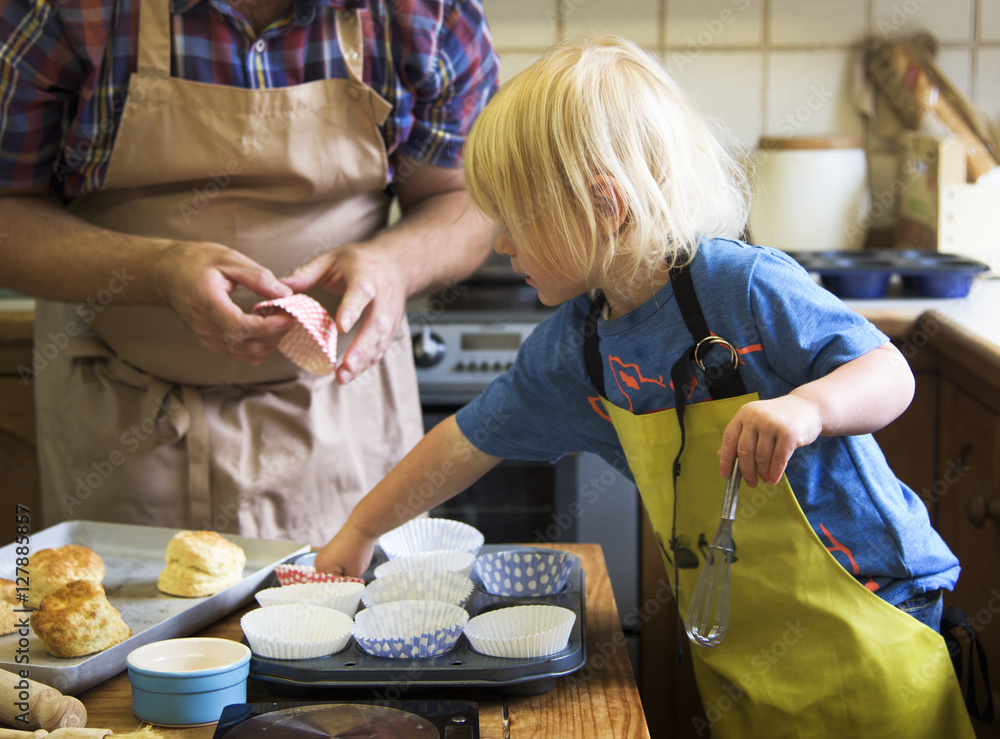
708 611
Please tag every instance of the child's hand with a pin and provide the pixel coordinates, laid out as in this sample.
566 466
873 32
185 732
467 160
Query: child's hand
347 553
764 433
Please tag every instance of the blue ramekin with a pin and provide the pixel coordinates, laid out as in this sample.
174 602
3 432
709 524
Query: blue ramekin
187 682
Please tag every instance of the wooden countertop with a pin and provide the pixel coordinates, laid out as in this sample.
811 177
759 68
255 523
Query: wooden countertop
600 700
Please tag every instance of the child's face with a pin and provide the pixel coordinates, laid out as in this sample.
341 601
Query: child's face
553 288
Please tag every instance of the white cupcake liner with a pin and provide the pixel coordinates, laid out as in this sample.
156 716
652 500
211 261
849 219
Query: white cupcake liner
294 574
450 560
341 596
296 631
408 629
520 573
521 632
439 585
431 535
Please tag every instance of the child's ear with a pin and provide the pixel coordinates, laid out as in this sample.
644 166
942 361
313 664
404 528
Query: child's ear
609 202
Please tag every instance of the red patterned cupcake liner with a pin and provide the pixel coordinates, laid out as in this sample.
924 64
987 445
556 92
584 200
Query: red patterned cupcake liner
295 574
312 342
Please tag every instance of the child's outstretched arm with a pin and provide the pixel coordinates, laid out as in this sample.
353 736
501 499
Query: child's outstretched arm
858 397
441 465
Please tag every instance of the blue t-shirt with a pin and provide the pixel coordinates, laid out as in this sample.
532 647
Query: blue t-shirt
789 331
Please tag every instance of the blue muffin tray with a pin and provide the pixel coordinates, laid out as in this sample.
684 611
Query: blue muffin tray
462 667
867 273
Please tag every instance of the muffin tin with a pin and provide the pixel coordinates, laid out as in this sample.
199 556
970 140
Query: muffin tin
461 667
867 273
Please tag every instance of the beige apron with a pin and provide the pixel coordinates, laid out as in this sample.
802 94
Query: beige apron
137 421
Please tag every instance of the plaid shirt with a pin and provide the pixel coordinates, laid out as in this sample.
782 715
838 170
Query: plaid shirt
65 67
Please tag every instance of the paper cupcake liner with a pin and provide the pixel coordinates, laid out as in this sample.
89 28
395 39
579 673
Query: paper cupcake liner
341 596
439 585
521 632
519 573
293 574
429 535
312 341
409 629
296 631
450 560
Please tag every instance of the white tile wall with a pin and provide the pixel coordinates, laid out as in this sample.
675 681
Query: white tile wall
520 24
949 20
989 25
736 104
713 24
637 19
816 22
771 67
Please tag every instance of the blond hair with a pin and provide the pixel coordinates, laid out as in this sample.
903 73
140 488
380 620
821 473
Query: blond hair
603 108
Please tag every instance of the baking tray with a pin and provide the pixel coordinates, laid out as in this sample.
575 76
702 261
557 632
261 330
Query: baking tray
461 667
867 273
451 719
133 559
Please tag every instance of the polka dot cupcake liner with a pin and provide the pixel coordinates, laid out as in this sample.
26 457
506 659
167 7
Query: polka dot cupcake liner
312 341
409 629
519 573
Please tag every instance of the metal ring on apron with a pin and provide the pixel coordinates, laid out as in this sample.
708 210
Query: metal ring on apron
709 340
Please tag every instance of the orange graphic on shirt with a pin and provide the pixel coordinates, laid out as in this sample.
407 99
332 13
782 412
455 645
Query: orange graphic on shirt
838 547
630 379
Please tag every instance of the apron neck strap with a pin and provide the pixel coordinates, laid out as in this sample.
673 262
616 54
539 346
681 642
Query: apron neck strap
154 38
723 380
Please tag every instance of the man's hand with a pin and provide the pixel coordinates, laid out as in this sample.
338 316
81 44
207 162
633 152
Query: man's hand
373 285
197 279
439 239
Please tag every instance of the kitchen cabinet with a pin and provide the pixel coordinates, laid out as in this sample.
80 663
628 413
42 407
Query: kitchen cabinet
968 498
18 459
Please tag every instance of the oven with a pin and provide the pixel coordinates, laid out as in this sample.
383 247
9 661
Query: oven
466 335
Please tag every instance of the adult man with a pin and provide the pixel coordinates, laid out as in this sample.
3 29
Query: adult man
199 152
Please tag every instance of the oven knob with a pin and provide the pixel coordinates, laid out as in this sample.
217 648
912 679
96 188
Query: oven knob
428 348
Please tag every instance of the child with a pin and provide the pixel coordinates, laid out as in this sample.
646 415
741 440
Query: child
684 352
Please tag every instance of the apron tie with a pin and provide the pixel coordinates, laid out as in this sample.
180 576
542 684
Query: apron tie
177 412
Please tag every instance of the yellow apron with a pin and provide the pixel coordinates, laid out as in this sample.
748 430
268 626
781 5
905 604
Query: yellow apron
138 422
809 651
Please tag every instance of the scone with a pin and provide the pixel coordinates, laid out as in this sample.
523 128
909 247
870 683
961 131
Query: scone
201 563
78 619
8 602
50 569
